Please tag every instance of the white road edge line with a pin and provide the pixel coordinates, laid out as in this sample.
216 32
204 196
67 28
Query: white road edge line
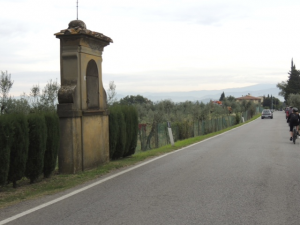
103 180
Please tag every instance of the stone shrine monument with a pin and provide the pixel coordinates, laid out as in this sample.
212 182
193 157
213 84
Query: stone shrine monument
82 108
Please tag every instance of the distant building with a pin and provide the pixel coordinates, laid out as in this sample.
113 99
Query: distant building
256 100
217 102
262 98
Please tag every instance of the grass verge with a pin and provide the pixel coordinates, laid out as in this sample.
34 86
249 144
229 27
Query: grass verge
60 182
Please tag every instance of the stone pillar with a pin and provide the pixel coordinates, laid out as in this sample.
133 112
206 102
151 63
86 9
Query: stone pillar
82 107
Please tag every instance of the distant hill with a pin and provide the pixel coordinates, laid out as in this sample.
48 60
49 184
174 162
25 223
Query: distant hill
207 95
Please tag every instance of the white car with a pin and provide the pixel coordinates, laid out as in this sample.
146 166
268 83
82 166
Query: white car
266 113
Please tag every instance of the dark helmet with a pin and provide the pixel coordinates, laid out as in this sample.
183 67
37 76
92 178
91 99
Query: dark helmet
295 110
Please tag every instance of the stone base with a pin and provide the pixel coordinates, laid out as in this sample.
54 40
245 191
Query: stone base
84 142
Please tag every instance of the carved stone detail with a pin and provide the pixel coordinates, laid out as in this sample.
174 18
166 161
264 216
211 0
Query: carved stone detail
66 94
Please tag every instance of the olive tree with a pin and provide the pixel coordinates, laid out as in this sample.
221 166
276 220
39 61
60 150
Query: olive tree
111 93
5 85
46 99
294 100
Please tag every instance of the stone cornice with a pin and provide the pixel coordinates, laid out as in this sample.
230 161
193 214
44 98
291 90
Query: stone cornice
78 27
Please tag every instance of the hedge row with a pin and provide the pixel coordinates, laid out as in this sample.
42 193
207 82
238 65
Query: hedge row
123 131
28 146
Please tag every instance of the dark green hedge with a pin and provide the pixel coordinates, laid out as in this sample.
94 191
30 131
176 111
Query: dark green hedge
37 146
113 131
52 143
6 132
123 130
128 133
131 116
19 149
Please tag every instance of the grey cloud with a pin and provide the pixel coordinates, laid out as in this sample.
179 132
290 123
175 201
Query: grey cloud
23 81
11 28
187 78
204 14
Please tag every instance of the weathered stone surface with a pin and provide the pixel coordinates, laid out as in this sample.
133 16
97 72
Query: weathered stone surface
82 107
66 94
77 24
79 27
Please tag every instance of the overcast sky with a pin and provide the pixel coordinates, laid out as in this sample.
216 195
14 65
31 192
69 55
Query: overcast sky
159 45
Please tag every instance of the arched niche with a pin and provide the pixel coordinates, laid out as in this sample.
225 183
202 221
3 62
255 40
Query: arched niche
92 85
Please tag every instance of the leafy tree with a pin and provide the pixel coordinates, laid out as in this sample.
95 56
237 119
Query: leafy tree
18 105
45 100
5 85
230 98
282 86
134 99
111 98
49 96
35 96
294 100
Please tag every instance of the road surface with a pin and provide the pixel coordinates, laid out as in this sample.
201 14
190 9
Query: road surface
249 175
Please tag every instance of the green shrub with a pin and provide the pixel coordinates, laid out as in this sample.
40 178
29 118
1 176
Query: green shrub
121 138
113 131
6 132
37 146
185 129
19 149
128 132
133 131
52 143
237 118
123 131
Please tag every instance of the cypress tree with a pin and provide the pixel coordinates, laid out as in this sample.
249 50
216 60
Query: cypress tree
37 146
19 149
128 122
293 83
6 132
52 143
131 119
113 131
222 96
121 139
134 130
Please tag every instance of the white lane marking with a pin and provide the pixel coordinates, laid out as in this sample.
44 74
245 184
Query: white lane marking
103 180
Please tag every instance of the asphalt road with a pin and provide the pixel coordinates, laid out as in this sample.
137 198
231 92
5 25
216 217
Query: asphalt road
249 175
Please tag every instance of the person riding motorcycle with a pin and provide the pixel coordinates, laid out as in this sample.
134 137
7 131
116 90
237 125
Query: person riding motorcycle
293 120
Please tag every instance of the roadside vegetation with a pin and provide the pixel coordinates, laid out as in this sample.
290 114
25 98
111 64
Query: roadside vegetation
290 89
29 133
60 182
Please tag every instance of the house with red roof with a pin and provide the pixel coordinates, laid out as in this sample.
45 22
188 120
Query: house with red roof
249 97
